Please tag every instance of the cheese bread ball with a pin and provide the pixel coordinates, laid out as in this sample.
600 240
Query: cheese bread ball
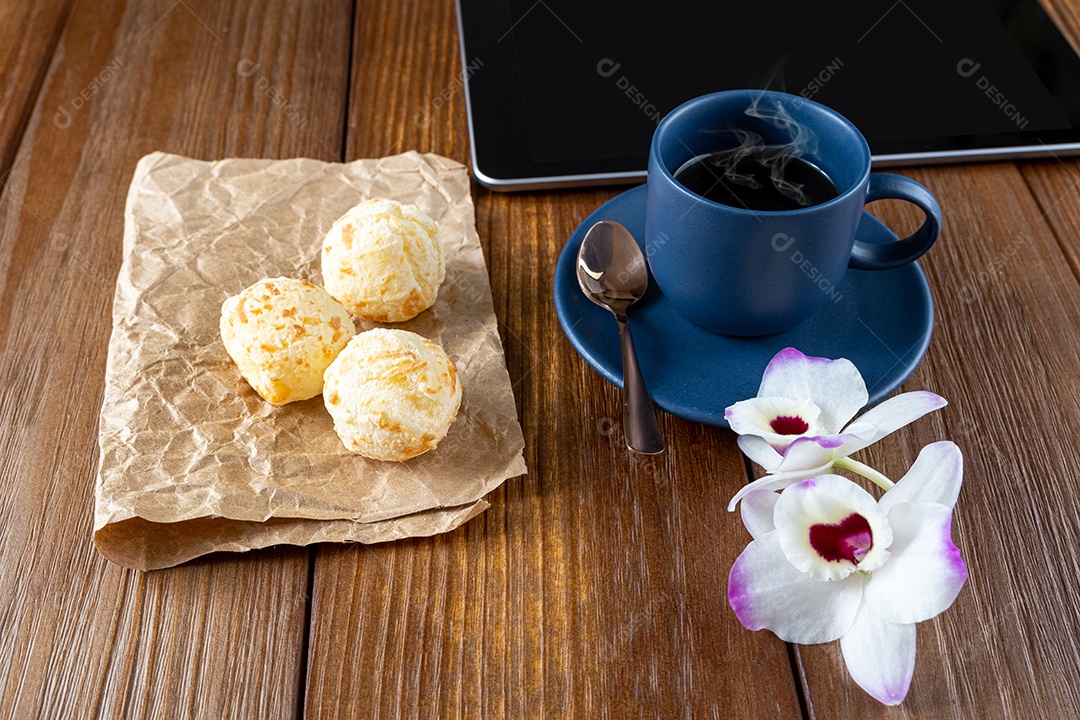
383 261
392 394
282 334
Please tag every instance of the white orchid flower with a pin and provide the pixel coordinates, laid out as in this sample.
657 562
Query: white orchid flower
798 425
828 561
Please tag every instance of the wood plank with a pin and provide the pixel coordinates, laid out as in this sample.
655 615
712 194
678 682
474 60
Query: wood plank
1055 183
28 35
594 586
1004 355
81 637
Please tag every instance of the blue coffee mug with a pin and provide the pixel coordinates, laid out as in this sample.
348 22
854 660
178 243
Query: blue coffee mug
743 272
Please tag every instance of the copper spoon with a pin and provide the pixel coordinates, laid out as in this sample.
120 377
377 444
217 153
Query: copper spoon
611 271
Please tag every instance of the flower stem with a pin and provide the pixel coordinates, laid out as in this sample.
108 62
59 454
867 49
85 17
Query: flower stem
866 471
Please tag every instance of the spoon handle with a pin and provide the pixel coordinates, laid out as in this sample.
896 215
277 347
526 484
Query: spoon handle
639 418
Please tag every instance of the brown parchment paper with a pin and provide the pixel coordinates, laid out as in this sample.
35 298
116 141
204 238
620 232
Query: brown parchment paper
192 460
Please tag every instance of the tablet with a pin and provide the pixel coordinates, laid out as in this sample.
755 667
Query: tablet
568 92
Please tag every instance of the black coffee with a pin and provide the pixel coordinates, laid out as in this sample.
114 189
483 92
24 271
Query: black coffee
756 179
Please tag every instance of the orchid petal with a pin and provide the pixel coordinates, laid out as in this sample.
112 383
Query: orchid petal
925 573
811 452
845 444
778 481
820 507
891 415
834 386
757 512
777 419
766 591
805 458
760 451
880 655
935 477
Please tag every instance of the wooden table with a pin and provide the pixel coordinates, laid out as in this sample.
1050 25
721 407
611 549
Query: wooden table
595 586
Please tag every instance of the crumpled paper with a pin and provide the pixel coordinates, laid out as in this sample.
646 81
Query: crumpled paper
192 460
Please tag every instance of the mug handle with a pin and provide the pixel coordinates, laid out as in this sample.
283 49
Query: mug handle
883 256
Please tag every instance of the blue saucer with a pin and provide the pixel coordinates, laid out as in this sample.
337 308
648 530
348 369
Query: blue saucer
880 320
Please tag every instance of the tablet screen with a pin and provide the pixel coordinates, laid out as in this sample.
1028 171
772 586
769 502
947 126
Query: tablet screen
591 80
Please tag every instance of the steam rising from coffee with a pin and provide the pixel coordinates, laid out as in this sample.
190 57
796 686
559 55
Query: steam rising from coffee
753 163
777 157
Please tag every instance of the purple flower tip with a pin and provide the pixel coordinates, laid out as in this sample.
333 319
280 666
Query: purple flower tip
956 562
932 398
738 598
829 441
894 695
788 353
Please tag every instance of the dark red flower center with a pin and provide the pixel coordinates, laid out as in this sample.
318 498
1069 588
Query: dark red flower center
849 540
789 425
